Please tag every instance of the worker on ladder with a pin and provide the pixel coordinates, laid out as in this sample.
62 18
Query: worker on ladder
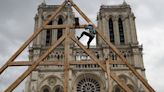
90 34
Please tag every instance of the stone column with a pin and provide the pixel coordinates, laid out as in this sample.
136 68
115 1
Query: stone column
133 29
103 29
99 23
116 31
34 77
38 24
107 27
41 37
35 28
127 31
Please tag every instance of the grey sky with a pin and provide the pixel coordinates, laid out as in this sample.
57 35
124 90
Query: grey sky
16 25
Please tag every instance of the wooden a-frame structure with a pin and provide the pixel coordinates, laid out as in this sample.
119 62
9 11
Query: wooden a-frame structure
68 35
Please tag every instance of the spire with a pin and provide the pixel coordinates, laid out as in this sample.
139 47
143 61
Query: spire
124 2
44 2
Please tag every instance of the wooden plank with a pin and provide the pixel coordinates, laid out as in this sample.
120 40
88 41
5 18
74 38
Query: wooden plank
31 38
66 61
91 54
34 65
64 26
115 50
29 63
108 74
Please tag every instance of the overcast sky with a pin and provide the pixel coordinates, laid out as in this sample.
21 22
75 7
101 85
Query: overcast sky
16 25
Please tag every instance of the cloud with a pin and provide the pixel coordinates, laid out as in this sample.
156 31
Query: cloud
17 25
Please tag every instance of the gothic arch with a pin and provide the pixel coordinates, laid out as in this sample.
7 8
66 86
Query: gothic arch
49 77
131 87
58 88
120 16
127 78
111 17
45 88
123 78
116 88
62 15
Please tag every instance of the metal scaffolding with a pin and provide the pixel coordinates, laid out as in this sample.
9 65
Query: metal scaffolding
68 35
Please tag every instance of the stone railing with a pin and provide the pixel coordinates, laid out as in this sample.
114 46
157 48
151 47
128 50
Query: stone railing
79 55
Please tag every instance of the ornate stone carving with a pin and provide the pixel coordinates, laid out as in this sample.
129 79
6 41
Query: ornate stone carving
41 76
51 81
88 85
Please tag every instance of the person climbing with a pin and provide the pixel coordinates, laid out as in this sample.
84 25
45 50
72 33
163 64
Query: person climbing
90 34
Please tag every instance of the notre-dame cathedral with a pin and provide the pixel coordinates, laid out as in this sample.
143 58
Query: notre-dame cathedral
117 23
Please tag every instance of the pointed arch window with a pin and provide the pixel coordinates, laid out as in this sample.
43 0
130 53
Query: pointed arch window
60 31
49 35
121 31
117 89
111 31
58 88
46 90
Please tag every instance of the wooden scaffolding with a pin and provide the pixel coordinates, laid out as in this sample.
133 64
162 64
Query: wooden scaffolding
68 35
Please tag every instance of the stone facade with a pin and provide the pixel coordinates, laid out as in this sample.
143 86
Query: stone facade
117 23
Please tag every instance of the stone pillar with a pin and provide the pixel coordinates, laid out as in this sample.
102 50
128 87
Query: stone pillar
35 42
116 31
127 31
102 28
133 29
136 57
41 36
34 77
99 23
107 27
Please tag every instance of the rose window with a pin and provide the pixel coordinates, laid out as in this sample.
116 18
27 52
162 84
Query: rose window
88 85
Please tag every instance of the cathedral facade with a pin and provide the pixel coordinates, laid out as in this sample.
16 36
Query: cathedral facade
117 23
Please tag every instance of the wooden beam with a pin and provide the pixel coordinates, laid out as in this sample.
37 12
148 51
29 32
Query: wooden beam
34 65
114 49
31 38
92 55
29 63
66 60
108 74
64 26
